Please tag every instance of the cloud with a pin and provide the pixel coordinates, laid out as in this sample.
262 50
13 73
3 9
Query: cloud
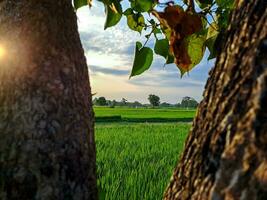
117 39
166 79
114 72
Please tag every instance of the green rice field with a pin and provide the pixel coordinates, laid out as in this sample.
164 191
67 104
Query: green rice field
135 160
106 114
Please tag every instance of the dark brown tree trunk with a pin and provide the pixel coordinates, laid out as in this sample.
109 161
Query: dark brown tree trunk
47 148
225 156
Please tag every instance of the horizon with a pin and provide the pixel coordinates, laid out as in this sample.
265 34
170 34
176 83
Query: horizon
110 56
144 103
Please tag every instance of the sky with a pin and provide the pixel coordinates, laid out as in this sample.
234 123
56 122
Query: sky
110 55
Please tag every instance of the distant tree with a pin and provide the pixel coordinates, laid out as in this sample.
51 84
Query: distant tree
101 101
154 100
178 105
189 102
137 104
109 102
124 101
113 103
165 104
95 101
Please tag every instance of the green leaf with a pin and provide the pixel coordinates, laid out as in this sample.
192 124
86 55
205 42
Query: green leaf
196 49
136 22
210 40
223 18
162 47
212 30
142 60
138 45
204 22
128 11
170 59
142 5
80 3
157 31
210 44
204 3
225 4
113 14
167 31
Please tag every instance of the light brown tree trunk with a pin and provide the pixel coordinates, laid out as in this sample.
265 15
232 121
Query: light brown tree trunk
225 156
47 148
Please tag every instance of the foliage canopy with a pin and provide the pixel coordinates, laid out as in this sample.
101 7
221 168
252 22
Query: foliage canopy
154 100
182 29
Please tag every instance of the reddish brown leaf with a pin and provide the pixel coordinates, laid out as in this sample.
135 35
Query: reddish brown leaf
191 24
171 16
182 24
178 48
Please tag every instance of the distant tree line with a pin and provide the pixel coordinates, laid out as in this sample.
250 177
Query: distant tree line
102 101
154 101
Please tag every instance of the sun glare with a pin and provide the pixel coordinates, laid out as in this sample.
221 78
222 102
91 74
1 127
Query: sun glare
2 52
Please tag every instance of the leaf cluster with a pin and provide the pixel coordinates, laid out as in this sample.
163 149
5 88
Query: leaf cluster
181 32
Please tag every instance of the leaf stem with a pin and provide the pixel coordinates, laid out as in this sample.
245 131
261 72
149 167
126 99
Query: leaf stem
210 23
149 35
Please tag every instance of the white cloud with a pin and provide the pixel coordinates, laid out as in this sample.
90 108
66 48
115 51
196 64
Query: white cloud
111 61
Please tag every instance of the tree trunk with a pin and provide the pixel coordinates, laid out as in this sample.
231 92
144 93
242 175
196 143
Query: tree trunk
47 148
225 155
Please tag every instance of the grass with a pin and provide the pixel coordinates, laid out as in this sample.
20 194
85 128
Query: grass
104 114
135 161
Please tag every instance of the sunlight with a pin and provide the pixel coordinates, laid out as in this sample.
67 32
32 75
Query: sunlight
12 54
2 52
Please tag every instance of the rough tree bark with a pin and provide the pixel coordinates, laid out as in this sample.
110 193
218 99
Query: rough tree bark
47 148
225 155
